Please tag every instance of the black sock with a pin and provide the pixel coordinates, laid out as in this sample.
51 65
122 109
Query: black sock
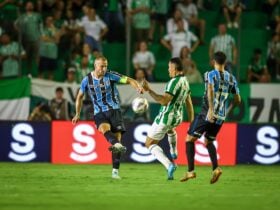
213 154
111 137
190 155
116 160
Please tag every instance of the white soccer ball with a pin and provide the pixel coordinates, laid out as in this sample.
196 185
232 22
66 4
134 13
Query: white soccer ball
140 105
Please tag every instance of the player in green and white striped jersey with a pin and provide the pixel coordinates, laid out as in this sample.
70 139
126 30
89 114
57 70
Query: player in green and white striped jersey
177 93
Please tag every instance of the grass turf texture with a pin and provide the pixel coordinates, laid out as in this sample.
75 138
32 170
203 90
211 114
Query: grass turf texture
144 186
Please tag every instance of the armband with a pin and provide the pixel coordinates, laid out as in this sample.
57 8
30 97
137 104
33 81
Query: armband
123 80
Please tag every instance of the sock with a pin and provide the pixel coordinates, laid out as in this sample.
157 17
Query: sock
190 154
116 160
172 139
111 137
213 154
160 156
115 171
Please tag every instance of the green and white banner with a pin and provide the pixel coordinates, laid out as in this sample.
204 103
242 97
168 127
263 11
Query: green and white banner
15 99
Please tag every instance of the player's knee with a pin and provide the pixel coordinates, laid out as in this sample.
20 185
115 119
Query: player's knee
103 128
190 138
171 132
150 142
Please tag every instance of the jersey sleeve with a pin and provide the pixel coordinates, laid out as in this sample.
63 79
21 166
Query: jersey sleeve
83 86
116 77
235 89
210 78
170 87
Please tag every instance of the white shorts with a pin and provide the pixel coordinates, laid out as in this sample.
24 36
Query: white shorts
157 132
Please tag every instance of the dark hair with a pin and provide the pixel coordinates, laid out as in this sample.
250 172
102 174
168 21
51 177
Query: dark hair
220 57
178 63
59 89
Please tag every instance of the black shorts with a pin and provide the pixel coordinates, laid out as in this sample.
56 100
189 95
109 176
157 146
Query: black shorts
201 126
161 18
47 64
113 117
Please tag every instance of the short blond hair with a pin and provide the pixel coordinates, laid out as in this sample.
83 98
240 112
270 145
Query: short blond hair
101 57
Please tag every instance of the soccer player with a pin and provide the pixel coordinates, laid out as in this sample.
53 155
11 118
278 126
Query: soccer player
100 85
177 93
218 85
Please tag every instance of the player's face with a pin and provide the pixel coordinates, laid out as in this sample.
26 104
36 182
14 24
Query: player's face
171 70
100 67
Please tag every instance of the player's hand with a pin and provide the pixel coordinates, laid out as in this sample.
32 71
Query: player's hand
210 116
140 89
75 119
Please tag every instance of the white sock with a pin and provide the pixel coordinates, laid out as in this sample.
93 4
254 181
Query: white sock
172 139
160 156
115 171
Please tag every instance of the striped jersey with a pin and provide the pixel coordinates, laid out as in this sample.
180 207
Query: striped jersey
103 92
225 44
172 113
223 83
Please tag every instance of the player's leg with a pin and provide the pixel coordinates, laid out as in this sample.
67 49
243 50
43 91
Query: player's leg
117 128
116 160
156 133
172 140
195 131
210 136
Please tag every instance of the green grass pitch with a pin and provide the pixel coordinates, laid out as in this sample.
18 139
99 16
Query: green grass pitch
144 186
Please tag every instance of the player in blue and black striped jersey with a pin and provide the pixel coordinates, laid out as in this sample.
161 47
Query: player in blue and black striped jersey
219 83
100 84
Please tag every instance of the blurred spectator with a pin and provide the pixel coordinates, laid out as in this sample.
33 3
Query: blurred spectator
84 63
48 49
41 112
8 13
273 56
159 16
76 46
171 24
176 40
47 6
95 29
267 7
76 6
113 17
59 106
10 53
144 59
140 10
71 76
189 67
29 25
257 69
140 75
232 11
225 43
190 13
274 18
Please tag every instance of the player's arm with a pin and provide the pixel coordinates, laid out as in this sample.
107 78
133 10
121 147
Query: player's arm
161 99
210 96
133 83
78 105
189 108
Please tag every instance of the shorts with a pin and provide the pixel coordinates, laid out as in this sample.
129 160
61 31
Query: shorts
113 117
47 64
157 132
201 126
161 18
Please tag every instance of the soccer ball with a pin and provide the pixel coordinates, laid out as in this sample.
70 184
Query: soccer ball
140 105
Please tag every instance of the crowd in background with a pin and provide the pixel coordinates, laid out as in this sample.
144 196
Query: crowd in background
69 34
